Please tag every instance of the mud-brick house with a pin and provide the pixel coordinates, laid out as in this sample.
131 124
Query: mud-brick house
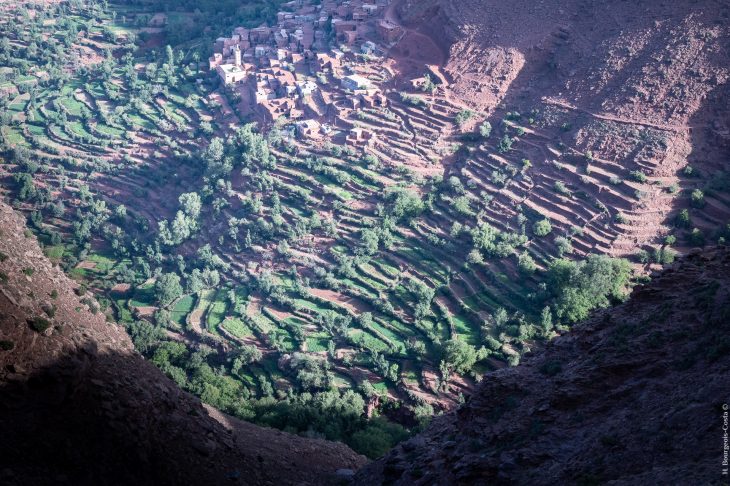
356 82
323 62
241 32
306 88
260 35
387 31
215 60
272 110
371 9
308 129
359 137
341 26
373 100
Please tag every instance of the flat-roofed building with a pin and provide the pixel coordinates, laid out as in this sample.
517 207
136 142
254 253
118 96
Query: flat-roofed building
356 82
231 74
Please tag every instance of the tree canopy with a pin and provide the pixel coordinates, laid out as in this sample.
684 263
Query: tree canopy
580 287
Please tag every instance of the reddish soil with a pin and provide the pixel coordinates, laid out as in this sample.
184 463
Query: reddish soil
610 391
121 288
104 414
354 305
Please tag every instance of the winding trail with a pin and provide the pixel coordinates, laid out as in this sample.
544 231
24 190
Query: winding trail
670 128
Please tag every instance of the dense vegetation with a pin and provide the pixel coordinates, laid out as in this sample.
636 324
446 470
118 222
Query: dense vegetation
305 288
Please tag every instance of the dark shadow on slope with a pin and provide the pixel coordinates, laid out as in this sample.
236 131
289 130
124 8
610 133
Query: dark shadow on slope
109 418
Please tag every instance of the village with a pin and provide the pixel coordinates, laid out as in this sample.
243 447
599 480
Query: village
308 73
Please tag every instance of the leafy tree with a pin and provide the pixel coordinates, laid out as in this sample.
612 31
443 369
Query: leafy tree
168 288
563 245
697 199
581 287
246 355
526 263
505 144
484 237
144 335
404 203
638 176
542 227
377 438
459 356
664 255
546 319
190 204
485 129
463 116
682 220
369 241
428 85
696 237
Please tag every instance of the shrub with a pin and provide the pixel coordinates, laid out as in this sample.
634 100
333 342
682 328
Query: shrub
564 245
682 219
485 129
642 255
638 176
561 189
696 238
526 263
697 199
505 144
689 171
463 116
664 255
542 227
40 324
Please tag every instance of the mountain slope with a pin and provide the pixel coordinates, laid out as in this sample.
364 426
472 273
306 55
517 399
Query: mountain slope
79 406
612 88
632 396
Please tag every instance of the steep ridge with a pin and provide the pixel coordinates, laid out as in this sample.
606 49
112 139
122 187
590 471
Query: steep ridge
79 406
635 395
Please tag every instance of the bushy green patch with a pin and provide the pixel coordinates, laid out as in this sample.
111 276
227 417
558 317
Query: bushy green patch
39 324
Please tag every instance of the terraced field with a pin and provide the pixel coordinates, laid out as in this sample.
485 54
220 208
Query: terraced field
301 266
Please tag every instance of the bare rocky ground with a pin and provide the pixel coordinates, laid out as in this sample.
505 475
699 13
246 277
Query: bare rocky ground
632 396
79 406
640 85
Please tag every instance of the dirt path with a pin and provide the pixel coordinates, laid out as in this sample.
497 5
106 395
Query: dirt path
562 104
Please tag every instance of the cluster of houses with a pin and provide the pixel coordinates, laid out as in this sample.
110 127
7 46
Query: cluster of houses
291 69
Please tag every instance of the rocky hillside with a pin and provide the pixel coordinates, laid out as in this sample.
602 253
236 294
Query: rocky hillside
633 396
79 406
615 88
